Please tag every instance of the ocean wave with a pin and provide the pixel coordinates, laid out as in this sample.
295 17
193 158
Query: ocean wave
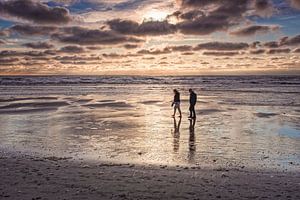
188 80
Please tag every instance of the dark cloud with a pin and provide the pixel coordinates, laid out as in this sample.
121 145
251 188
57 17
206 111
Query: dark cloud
296 50
94 47
262 4
187 53
204 25
26 29
258 51
154 51
72 49
221 53
117 55
181 48
189 15
197 3
290 41
12 53
264 7
278 51
272 44
295 3
83 36
254 29
255 44
4 33
221 46
76 57
220 15
6 61
34 11
39 45
146 28
113 55
131 46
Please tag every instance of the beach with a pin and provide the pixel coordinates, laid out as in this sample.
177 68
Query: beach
114 138
25 177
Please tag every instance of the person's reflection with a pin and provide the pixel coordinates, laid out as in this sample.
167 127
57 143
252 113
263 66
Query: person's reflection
176 135
192 145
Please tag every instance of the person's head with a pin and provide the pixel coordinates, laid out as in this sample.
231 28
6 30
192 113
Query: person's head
190 90
175 91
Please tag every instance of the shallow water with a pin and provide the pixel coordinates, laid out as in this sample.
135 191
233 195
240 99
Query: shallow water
243 127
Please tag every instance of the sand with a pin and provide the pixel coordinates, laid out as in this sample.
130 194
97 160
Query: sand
29 177
68 142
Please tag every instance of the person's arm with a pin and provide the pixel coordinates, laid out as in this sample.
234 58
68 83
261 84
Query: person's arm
173 102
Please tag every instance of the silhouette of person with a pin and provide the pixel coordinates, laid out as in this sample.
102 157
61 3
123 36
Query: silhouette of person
176 102
192 145
193 101
176 135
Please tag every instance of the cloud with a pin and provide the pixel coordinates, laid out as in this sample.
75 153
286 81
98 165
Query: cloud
26 29
113 55
13 53
34 11
296 50
272 44
214 15
39 45
295 3
154 51
72 49
181 48
7 61
2 42
279 51
290 41
189 15
222 46
4 33
197 3
83 36
204 25
254 29
76 57
221 53
130 27
131 46
264 8
258 51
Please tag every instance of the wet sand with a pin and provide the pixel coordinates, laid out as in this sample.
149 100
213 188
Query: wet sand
27 177
119 142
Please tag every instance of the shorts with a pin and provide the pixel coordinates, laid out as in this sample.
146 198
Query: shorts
176 104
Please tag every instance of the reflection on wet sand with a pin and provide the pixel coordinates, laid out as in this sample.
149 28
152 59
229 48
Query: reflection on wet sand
176 134
192 143
132 124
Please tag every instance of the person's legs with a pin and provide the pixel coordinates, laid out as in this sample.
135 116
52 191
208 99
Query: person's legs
191 109
174 111
179 110
194 112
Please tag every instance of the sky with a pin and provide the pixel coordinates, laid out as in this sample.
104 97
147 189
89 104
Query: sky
149 37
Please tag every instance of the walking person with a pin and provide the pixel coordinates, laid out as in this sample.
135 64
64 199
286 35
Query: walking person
193 101
176 103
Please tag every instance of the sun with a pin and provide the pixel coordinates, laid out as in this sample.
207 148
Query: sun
156 15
